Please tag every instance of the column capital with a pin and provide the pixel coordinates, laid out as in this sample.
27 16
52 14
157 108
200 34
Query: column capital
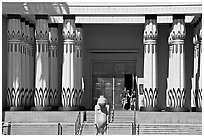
178 28
13 16
68 17
23 29
53 34
196 32
150 31
41 16
41 32
200 28
27 38
79 34
32 31
14 27
69 27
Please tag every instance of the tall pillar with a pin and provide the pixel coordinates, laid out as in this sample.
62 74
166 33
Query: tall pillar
53 53
78 64
176 89
41 97
23 61
32 63
14 62
26 58
150 64
195 68
68 71
200 65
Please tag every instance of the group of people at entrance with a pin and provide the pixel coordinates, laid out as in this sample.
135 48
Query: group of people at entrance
128 99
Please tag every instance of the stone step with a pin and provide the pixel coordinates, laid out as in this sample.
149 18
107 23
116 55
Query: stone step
40 116
89 129
189 129
120 129
41 129
169 117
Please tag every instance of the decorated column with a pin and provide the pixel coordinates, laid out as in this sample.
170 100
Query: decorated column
78 65
200 68
150 64
53 66
196 92
32 63
27 90
14 62
23 61
68 72
41 97
176 90
195 68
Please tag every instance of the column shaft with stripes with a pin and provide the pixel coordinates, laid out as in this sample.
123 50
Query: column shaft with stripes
175 94
41 97
150 61
14 61
32 63
196 92
26 64
195 66
78 64
200 63
68 71
53 65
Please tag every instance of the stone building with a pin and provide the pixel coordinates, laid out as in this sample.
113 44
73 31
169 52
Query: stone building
62 56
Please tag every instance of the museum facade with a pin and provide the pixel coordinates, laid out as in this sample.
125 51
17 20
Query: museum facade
63 56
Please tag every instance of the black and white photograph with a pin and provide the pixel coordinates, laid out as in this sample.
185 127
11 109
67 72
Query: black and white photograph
112 67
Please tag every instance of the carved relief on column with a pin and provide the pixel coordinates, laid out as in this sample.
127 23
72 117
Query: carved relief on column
199 76
196 73
14 92
23 56
78 65
31 63
25 64
41 97
150 64
53 65
68 90
176 78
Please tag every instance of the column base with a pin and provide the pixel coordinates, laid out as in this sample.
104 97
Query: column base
172 109
17 108
193 109
198 109
55 108
27 108
68 108
150 109
82 108
41 108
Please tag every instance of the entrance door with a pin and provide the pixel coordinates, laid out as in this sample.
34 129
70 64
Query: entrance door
111 87
108 80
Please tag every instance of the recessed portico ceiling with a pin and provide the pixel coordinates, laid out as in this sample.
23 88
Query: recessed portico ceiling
104 12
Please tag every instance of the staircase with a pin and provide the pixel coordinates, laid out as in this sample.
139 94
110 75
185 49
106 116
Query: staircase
169 129
121 125
41 123
88 125
124 116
